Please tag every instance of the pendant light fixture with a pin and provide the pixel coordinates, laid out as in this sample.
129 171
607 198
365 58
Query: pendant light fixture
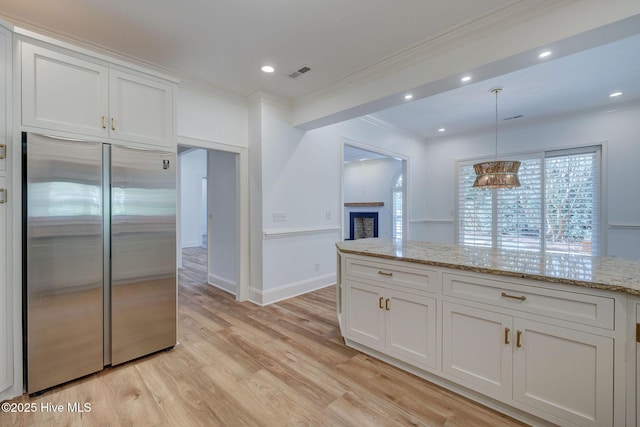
498 173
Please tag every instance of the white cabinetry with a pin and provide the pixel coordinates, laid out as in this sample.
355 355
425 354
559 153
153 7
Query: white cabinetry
476 348
560 371
637 363
71 93
6 323
397 320
565 371
6 299
544 351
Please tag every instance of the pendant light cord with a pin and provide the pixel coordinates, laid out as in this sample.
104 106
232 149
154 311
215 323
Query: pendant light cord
496 91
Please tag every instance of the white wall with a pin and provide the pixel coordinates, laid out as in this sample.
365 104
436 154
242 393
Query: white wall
371 181
301 177
619 130
223 210
193 167
216 117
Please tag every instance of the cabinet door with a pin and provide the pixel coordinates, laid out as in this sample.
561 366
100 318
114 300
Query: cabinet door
411 328
65 93
565 373
365 314
5 94
637 363
6 347
141 109
476 348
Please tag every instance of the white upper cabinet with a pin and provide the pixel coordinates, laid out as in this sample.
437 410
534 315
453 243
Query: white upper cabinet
6 347
77 95
61 92
5 95
141 109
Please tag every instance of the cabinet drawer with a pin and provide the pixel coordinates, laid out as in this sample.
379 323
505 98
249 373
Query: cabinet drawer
574 307
393 274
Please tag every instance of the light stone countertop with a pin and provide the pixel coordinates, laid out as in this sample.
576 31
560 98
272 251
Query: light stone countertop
613 274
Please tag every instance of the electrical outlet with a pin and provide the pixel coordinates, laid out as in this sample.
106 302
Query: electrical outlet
317 266
279 217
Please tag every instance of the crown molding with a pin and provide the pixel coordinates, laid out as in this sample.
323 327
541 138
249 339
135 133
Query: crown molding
491 23
261 96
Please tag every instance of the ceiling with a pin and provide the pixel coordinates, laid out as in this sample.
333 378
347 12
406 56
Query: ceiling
555 86
222 44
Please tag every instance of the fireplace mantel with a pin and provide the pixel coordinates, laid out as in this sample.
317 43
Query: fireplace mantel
363 204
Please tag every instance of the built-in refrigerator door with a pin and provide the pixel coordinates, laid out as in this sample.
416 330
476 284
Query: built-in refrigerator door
63 250
143 252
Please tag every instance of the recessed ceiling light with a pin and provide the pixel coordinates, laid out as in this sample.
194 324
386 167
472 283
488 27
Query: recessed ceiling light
441 130
408 96
544 54
614 94
268 69
466 79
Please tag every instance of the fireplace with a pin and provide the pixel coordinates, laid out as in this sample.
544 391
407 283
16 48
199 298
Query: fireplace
363 225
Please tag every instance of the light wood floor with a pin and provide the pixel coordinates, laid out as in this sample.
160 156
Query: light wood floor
238 364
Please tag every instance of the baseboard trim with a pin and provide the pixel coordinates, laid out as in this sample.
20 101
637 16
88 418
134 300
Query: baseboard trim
192 244
223 284
280 293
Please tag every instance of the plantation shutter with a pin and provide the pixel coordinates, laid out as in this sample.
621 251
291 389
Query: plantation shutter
519 216
556 208
475 211
572 195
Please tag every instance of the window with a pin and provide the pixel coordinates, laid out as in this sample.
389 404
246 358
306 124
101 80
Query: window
556 208
396 196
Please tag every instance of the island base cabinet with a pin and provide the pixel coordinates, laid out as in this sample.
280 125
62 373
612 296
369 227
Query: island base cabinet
565 373
476 348
365 320
400 324
637 363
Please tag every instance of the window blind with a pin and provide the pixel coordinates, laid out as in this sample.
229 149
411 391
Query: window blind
556 208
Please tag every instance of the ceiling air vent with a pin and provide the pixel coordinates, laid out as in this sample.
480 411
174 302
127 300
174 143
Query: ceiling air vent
299 72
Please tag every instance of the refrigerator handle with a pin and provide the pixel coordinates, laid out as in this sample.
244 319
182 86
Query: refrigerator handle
106 243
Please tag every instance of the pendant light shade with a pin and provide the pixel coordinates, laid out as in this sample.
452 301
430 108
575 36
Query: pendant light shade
498 173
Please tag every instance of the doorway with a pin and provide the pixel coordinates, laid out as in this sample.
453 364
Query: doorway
209 212
374 186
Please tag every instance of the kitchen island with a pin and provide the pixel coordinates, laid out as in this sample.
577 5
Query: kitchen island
546 338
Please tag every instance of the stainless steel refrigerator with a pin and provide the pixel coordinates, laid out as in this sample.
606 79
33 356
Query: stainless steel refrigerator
99 254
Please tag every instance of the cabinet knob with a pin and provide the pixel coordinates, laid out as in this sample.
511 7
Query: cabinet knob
3 195
3 151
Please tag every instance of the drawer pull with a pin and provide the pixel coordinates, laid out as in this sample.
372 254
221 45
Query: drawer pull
3 195
637 332
385 273
3 151
113 123
386 304
506 335
104 122
380 302
506 295
519 339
